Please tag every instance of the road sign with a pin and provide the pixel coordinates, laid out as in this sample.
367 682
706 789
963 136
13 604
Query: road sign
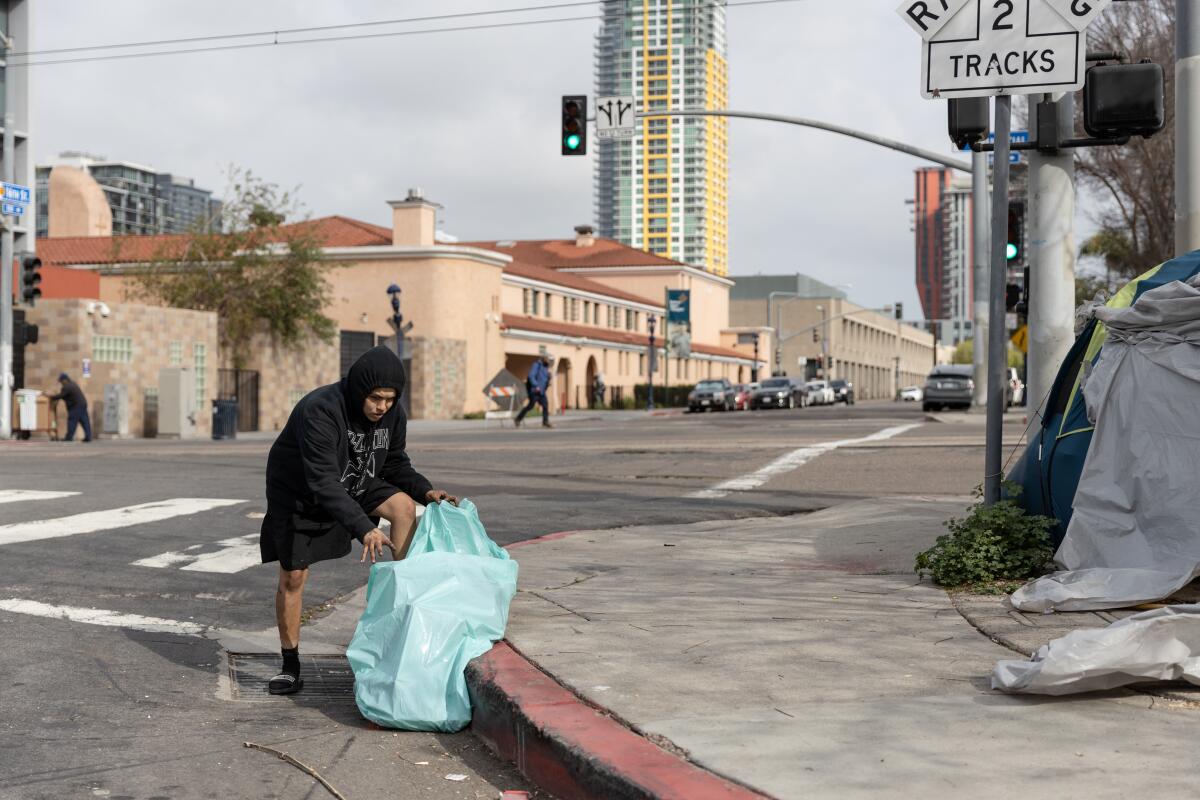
982 48
14 209
1020 338
615 117
1014 156
15 193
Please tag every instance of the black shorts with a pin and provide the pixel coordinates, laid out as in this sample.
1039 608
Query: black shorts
299 538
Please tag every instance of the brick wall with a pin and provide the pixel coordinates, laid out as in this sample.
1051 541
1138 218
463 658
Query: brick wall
437 382
285 375
68 334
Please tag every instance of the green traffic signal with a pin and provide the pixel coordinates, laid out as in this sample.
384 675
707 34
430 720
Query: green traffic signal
572 141
1011 251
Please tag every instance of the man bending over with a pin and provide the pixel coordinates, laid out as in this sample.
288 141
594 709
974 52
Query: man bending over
337 467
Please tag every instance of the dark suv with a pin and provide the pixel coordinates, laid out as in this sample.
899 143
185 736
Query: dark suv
710 395
843 391
780 392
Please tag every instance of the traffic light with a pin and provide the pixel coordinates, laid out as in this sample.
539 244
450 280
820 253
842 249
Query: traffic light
816 335
900 311
968 120
1123 100
1012 296
1015 249
574 124
31 277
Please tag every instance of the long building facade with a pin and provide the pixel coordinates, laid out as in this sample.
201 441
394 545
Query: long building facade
665 191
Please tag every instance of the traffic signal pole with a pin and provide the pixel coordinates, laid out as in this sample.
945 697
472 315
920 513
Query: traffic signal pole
1187 126
997 361
1050 216
8 173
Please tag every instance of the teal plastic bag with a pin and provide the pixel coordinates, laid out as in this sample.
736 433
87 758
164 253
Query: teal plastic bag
426 617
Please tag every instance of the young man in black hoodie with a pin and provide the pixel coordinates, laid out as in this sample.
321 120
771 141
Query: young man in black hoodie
337 467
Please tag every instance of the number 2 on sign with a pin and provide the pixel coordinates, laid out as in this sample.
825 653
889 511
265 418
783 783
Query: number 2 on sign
1007 12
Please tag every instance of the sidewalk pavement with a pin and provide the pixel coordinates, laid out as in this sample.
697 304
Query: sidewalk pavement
794 657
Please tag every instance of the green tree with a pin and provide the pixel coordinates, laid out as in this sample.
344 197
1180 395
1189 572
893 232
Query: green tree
964 353
257 273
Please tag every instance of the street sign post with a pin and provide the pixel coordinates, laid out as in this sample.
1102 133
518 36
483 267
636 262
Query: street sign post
983 48
615 117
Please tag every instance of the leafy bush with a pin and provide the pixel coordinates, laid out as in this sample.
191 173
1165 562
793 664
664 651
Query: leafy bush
997 542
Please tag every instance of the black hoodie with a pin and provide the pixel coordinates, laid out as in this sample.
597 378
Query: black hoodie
329 453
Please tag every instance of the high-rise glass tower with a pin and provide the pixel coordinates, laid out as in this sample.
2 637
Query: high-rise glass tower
666 190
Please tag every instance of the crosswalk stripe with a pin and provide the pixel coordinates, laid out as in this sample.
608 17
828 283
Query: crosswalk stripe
17 495
99 616
235 555
93 521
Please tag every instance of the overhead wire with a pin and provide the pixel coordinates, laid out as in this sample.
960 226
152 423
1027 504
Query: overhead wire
276 41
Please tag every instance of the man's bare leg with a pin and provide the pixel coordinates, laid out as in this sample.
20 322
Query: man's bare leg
289 602
401 512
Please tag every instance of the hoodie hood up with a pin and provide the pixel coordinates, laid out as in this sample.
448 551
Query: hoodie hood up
378 368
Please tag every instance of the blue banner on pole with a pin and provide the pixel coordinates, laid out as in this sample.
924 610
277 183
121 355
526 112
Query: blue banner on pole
679 306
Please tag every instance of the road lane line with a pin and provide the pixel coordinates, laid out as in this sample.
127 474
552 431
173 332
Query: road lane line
236 555
790 461
99 616
17 495
93 521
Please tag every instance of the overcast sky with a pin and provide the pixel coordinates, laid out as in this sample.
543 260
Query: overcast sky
472 118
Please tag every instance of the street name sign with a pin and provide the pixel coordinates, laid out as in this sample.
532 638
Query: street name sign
15 193
12 209
1014 156
615 117
983 48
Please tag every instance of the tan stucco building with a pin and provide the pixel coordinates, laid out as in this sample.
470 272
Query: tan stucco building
476 307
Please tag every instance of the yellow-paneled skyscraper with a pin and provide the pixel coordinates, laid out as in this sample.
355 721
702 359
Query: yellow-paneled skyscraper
666 190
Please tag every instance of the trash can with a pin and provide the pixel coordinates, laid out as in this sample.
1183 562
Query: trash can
224 419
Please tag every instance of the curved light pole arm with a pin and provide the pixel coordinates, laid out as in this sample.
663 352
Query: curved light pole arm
892 144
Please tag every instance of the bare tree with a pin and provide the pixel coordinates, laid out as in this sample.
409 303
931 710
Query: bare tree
1135 183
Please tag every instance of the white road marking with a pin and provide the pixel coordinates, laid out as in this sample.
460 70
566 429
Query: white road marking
99 616
791 461
93 521
17 495
237 554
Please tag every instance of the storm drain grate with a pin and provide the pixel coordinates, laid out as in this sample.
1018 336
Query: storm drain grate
326 678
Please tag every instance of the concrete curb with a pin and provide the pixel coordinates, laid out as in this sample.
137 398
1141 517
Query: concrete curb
572 749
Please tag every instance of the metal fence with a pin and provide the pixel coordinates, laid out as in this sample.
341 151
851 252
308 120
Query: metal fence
241 385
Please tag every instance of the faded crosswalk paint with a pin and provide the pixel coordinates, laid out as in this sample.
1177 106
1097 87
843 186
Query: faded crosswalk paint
99 616
18 495
93 521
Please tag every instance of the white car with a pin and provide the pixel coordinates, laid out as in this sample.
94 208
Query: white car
911 394
820 393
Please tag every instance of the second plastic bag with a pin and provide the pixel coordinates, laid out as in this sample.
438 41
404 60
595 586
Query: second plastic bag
426 617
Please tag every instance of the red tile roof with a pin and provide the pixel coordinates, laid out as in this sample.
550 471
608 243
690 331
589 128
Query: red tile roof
560 253
540 325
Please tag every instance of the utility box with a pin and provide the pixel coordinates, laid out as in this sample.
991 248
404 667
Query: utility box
116 410
27 416
176 403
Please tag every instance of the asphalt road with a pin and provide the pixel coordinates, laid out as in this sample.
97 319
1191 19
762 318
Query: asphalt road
109 711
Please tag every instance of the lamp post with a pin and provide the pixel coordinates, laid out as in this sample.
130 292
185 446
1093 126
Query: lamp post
397 318
651 321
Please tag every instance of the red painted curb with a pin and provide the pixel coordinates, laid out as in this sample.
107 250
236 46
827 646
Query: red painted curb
549 537
570 748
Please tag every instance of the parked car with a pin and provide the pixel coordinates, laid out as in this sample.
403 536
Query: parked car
911 394
742 394
843 391
948 386
1018 387
710 395
781 392
820 393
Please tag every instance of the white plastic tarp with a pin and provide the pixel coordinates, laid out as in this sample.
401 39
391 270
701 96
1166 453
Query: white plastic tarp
1134 536
1158 645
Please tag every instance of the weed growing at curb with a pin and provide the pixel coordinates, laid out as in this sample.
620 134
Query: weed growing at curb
991 544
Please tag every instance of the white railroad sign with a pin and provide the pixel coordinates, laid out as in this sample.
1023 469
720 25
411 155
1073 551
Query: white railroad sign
983 48
615 117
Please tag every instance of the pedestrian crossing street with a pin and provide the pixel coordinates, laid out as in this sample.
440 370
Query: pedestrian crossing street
226 556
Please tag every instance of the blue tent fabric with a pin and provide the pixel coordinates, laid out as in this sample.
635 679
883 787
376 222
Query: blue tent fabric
1049 470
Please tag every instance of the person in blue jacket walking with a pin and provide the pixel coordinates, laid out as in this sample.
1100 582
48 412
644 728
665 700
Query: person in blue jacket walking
536 384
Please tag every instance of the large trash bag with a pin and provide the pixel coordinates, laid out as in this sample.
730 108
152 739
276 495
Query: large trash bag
426 617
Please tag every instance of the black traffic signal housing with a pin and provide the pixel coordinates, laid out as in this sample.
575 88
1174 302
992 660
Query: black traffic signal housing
1012 296
574 124
900 311
1124 100
816 335
25 333
31 278
1015 247
967 120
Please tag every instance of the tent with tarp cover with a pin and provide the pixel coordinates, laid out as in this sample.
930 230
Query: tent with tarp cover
1049 470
